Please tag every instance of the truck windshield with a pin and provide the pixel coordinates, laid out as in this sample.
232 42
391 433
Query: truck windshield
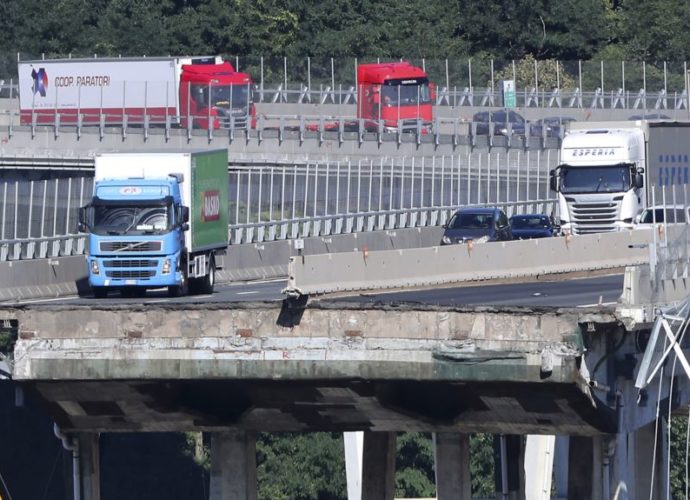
131 219
222 95
599 179
403 94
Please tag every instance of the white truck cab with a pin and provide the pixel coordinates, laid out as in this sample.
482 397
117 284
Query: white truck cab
600 181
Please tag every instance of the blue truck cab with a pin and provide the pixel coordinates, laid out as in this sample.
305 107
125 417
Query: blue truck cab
156 220
137 234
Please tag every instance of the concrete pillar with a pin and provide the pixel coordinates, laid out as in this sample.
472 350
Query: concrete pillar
353 442
510 467
378 466
233 466
597 479
622 467
580 467
539 452
89 454
642 442
452 450
561 466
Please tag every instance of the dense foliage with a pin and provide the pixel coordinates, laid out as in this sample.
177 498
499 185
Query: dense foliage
503 29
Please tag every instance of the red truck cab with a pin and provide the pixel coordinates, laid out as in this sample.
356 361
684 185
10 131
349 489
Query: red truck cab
396 94
216 94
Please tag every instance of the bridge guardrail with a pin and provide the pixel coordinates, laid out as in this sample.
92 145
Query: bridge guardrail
42 248
382 220
363 270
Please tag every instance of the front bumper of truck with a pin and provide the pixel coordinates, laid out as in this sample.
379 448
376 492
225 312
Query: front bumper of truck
148 271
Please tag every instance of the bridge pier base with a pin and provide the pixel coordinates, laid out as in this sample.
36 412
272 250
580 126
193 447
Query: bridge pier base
378 466
233 466
452 450
89 453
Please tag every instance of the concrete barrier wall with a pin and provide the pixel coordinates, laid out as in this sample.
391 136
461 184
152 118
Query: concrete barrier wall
42 277
361 270
67 275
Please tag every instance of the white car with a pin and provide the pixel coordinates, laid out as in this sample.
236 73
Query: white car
670 214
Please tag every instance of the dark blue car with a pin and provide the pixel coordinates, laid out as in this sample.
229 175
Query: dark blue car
533 226
477 224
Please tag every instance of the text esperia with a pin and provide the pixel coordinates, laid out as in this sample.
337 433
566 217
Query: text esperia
82 81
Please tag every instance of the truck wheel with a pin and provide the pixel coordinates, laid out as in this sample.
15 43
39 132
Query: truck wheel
179 290
207 283
100 292
204 286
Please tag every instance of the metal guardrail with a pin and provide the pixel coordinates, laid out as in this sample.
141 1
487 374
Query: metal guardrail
328 225
470 81
75 244
342 128
42 248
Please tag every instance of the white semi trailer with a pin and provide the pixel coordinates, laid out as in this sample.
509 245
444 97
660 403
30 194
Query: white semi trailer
610 171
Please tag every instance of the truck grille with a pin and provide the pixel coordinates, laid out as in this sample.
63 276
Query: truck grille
409 125
130 246
594 217
131 274
240 122
130 263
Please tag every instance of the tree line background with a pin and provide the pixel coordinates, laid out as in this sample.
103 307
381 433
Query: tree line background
311 466
500 30
630 30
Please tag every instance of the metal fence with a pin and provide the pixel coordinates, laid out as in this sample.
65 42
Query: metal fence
459 82
38 219
318 199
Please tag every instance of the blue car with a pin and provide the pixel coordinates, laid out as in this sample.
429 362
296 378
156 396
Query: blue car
478 225
533 226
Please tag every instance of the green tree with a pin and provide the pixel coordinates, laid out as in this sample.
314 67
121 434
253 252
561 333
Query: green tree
507 29
414 468
301 466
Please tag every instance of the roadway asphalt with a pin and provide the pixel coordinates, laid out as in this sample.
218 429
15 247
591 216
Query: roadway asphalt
576 292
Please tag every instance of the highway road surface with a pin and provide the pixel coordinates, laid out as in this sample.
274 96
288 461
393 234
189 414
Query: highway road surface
573 292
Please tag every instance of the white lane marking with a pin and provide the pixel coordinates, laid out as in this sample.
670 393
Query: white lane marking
37 301
246 293
598 304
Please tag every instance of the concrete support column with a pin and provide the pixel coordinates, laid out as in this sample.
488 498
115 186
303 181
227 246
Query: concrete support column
452 450
539 452
647 461
622 467
233 466
580 468
89 454
378 466
510 466
561 467
353 442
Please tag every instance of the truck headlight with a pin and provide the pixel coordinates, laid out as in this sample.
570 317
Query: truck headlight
483 239
94 267
446 240
166 267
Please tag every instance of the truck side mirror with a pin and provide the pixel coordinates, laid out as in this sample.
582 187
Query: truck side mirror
553 180
639 180
184 215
